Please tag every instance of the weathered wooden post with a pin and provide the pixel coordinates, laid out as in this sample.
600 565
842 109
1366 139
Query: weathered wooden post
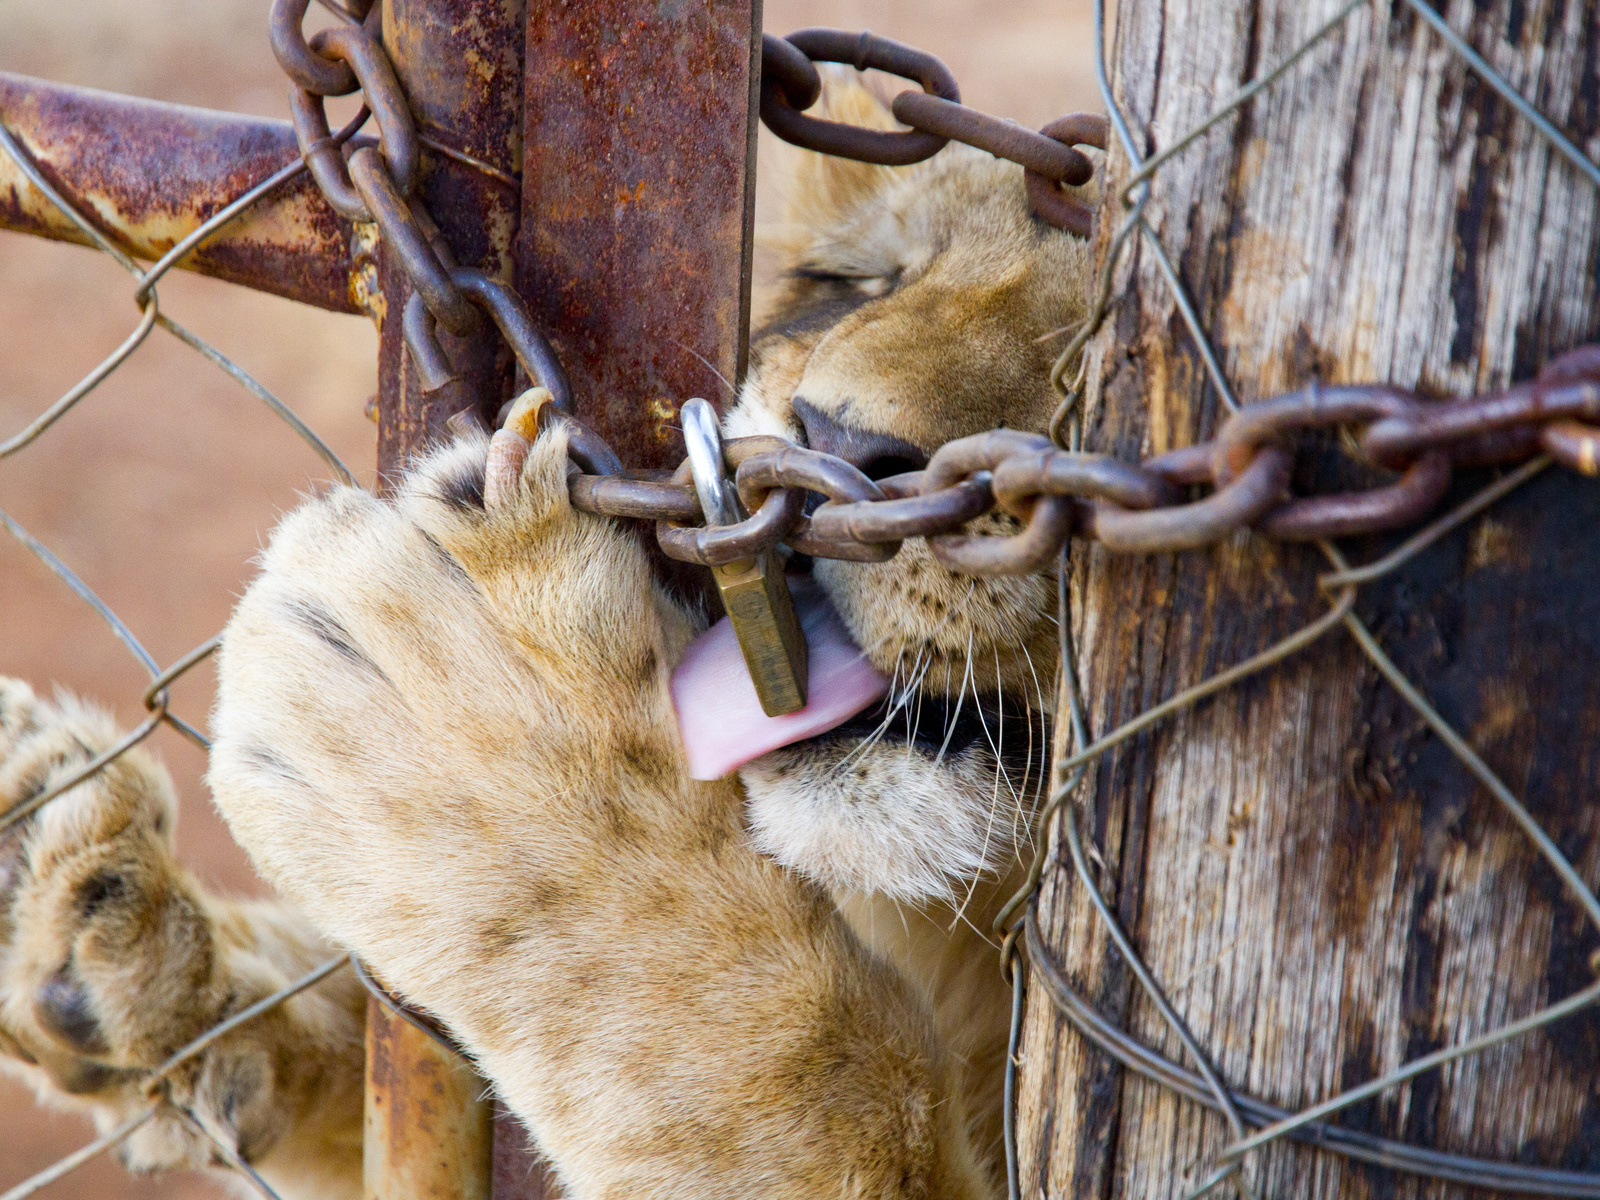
1321 886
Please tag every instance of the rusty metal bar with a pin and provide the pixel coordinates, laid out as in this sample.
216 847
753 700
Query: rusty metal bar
637 202
429 1135
459 63
151 172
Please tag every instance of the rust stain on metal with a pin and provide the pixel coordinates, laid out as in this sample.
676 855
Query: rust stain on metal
429 1134
149 173
636 205
365 291
460 64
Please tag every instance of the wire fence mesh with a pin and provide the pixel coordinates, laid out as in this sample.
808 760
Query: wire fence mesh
156 697
1255 1124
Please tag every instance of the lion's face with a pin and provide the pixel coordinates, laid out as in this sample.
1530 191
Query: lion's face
911 315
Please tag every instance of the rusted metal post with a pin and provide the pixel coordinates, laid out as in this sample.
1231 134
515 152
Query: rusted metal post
638 194
429 1134
429 1122
460 64
637 201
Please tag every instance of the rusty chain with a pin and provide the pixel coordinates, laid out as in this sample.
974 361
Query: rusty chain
1055 494
790 84
1052 493
377 184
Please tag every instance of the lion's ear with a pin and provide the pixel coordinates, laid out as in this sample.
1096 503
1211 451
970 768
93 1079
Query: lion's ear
822 188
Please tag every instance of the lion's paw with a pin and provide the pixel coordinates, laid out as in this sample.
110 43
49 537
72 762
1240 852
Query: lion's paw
406 673
112 959
99 921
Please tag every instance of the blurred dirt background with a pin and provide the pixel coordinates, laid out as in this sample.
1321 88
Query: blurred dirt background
161 486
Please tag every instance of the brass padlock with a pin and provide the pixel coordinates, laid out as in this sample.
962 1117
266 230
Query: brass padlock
754 590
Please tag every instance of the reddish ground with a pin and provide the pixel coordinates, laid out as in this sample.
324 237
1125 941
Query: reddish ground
162 484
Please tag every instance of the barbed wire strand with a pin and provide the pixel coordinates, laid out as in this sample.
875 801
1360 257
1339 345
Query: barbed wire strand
1306 1123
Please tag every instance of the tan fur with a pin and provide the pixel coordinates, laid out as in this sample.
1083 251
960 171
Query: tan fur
112 958
479 703
913 308
443 733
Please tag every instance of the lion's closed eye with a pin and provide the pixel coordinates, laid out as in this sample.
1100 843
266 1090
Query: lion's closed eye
867 283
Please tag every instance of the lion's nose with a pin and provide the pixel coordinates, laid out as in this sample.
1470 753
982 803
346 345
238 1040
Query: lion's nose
875 455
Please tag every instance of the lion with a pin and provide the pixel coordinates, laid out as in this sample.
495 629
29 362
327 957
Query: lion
444 735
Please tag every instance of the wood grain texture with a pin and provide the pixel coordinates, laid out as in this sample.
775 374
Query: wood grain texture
1320 885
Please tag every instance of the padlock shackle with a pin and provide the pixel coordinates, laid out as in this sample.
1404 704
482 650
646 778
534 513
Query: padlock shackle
704 441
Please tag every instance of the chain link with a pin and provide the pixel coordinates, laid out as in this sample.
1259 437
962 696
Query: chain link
790 84
1056 494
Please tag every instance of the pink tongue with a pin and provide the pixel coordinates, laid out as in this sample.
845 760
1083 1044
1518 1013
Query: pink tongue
720 717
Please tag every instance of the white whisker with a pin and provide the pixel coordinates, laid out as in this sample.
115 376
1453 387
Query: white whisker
913 686
1044 758
950 726
916 727
1018 826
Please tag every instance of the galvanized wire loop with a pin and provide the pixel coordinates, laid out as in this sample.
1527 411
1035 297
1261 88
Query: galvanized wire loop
419 1021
